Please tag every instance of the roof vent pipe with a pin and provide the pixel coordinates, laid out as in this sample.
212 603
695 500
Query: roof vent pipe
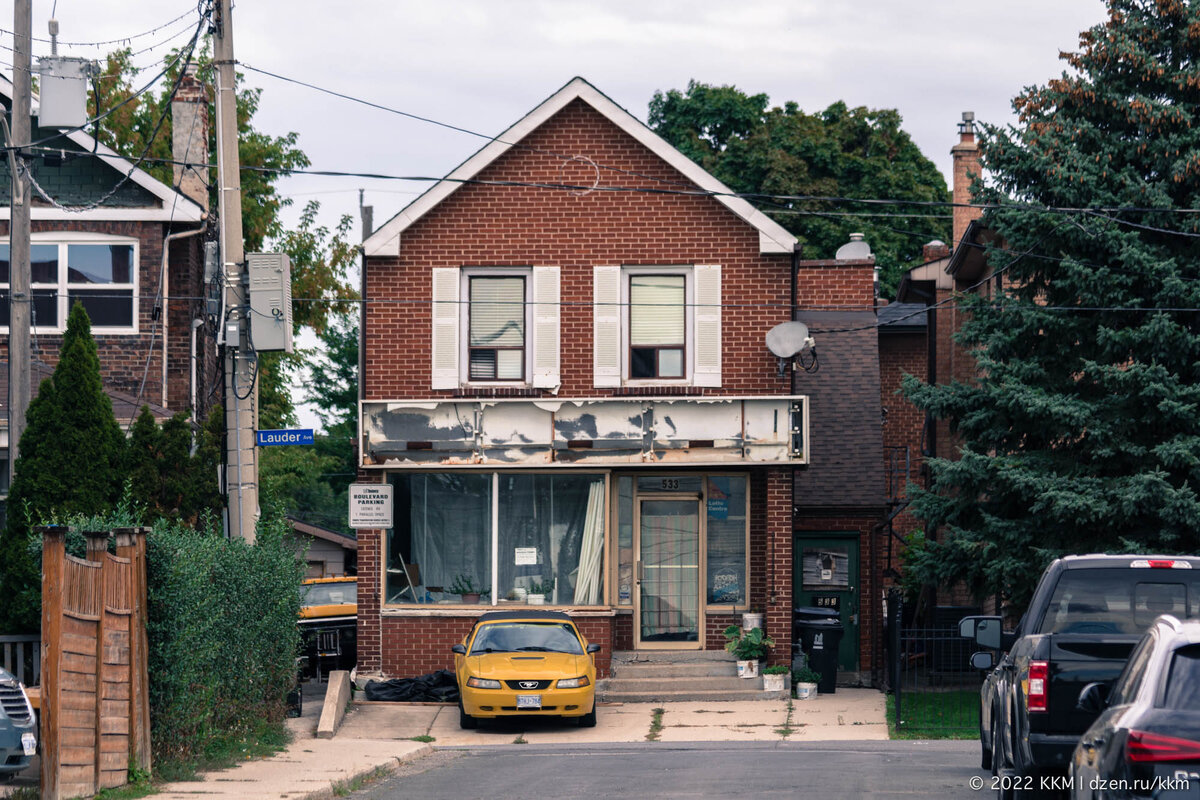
856 249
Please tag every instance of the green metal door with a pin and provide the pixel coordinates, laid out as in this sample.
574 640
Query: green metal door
825 575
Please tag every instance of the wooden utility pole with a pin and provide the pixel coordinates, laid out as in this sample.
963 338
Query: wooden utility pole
241 385
19 300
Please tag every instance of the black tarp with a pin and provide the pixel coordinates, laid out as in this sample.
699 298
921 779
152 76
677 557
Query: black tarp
436 687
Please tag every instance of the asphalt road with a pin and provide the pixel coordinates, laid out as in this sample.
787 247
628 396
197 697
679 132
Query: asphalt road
899 769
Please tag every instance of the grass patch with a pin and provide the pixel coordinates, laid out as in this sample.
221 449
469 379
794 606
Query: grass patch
265 739
656 725
935 715
24 793
520 739
346 788
424 737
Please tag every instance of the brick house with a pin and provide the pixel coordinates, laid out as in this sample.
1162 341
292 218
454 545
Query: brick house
134 260
566 385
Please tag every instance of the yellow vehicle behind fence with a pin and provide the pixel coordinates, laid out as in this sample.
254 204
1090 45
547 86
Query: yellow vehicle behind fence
328 623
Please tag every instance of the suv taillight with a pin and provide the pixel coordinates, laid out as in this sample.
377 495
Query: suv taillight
1142 747
1035 692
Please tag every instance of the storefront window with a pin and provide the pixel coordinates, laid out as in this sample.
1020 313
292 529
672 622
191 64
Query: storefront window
550 539
625 540
726 510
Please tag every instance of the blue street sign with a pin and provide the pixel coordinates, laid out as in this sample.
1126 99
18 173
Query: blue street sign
298 436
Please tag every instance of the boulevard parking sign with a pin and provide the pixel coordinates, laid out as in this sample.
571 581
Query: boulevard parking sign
370 505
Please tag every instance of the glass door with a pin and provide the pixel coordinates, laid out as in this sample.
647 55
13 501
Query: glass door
668 573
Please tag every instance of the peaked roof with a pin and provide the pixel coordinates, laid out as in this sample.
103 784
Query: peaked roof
175 207
773 238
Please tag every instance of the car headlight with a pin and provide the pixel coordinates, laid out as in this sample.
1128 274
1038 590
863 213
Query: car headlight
483 683
574 683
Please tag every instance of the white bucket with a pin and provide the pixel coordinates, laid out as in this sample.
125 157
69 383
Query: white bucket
747 669
773 683
535 599
806 691
752 621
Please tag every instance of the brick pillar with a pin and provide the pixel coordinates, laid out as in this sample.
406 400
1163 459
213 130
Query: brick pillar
778 609
370 590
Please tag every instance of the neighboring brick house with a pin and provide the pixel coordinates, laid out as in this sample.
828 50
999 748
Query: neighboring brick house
567 387
134 261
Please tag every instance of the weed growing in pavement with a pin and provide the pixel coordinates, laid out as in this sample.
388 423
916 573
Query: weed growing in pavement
787 729
424 737
520 739
656 725
345 788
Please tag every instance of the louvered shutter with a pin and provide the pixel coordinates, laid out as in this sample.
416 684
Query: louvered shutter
606 326
546 328
708 325
445 329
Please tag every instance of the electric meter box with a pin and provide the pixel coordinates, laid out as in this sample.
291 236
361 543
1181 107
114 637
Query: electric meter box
270 276
62 95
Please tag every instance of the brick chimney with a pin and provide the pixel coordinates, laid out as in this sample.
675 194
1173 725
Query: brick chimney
189 136
934 250
966 168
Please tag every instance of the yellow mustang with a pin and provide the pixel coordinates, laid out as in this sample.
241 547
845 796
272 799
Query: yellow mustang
525 662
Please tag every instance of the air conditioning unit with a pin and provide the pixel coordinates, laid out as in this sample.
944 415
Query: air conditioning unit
270 277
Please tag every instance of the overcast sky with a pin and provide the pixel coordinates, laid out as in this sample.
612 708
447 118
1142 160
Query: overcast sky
482 64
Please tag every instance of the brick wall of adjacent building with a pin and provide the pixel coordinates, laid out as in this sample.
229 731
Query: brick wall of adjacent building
901 354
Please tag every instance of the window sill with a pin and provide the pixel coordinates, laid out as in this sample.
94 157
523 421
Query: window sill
475 611
659 390
497 390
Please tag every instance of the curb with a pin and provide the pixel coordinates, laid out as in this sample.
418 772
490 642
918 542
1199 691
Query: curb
388 766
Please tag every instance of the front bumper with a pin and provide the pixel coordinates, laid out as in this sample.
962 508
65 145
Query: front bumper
12 751
491 703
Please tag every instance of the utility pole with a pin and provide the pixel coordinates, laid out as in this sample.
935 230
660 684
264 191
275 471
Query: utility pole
241 385
19 301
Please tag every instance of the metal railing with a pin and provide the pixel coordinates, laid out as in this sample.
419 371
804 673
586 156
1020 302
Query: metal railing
22 656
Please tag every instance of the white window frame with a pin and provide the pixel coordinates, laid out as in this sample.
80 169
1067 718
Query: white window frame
464 323
63 239
689 323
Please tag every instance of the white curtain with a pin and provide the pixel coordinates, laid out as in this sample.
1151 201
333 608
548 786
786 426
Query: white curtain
591 552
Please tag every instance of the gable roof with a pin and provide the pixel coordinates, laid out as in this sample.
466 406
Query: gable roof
772 237
174 205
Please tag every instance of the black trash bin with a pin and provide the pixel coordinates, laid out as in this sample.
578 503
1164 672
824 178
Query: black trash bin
820 640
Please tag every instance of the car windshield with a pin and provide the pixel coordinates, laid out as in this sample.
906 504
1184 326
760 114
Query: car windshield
1183 681
512 637
329 594
1099 601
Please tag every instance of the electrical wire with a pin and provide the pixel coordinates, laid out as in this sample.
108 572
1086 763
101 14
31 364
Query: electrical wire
110 41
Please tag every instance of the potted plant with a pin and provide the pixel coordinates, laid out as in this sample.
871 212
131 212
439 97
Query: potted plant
774 677
748 647
805 681
464 585
538 592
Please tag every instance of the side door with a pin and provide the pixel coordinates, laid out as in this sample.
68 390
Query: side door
825 574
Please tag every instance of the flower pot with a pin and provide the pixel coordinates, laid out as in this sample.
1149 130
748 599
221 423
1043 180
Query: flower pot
471 599
750 621
773 683
806 691
535 599
747 669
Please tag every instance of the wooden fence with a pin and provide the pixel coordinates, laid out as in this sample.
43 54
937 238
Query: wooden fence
95 709
22 656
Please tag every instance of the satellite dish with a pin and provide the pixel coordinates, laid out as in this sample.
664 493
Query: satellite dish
787 339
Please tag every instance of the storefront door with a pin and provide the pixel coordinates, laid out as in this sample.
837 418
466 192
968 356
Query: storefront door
825 576
668 573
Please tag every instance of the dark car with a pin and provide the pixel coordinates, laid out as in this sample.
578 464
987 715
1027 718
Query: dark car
18 727
1146 741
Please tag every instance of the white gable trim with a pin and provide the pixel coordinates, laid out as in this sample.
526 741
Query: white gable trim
773 238
176 206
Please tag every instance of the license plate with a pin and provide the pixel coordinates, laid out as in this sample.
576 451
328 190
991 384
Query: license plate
529 701
29 743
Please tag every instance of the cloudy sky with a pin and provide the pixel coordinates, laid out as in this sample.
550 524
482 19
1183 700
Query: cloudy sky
481 64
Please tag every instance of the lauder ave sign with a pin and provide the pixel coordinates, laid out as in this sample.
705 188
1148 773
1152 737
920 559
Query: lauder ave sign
370 505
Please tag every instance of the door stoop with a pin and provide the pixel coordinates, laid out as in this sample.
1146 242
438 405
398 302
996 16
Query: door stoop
655 676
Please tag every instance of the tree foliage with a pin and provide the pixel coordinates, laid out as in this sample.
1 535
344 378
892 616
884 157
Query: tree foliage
1082 431
167 479
839 152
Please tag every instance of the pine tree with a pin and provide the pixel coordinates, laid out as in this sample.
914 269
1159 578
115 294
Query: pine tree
70 462
1082 431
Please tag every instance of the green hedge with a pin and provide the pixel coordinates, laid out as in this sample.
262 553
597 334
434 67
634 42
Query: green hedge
222 635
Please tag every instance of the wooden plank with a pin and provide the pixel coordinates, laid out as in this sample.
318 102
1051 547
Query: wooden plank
74 700
34 693
78 737
117 673
74 718
77 682
114 725
77 627
78 756
111 779
79 788
77 643
116 655
116 691
84 665
114 708
54 779
114 743
118 633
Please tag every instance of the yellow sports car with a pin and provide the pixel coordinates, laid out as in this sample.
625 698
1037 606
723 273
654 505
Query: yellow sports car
525 662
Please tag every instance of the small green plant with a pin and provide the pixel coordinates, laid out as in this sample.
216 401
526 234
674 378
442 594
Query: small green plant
806 675
546 587
464 584
747 645
776 669
656 724
425 738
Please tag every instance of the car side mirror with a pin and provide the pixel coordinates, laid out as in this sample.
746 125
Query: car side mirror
966 627
593 648
984 659
460 649
1093 699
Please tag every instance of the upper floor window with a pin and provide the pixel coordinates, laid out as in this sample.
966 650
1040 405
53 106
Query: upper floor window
496 309
99 273
657 326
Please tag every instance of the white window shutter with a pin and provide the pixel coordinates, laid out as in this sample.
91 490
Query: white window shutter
445 327
708 325
546 328
606 327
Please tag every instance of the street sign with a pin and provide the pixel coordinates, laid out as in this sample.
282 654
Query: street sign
370 505
297 436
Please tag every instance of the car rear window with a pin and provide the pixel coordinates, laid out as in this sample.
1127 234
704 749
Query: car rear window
1183 680
329 594
1125 600
510 637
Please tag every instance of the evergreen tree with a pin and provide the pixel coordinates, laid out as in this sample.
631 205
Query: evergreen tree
70 461
166 479
1082 432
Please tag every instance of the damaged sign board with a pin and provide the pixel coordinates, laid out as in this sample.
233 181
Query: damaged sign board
591 432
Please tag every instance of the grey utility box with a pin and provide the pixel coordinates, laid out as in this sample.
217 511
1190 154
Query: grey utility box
62 96
270 277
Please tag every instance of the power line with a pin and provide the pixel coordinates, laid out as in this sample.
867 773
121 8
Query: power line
143 34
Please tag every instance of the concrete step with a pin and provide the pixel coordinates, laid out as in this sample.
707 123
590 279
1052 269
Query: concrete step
683 694
695 669
726 683
669 656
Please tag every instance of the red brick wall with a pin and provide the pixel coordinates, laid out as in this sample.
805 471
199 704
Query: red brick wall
901 354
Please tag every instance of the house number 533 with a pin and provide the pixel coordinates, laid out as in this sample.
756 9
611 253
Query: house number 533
670 483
